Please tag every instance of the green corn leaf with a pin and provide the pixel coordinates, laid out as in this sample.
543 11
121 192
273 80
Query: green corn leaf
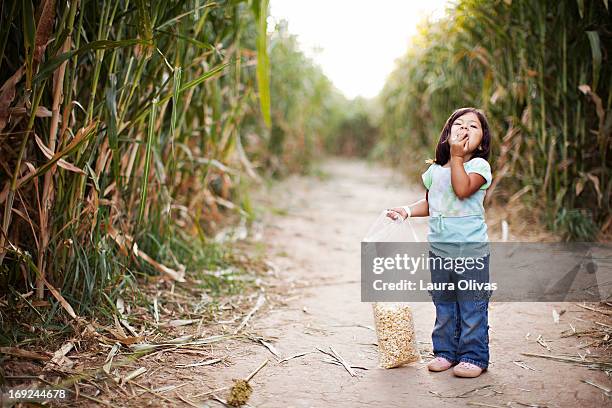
263 62
204 77
51 65
190 40
175 99
145 178
596 55
580 7
194 11
175 113
111 112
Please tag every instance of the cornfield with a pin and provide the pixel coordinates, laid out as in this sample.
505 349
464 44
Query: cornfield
130 127
542 72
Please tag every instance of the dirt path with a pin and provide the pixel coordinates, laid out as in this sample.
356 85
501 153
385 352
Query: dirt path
317 245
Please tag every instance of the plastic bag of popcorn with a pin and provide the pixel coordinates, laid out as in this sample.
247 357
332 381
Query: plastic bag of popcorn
397 343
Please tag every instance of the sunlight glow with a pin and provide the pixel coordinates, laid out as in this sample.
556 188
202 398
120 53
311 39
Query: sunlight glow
355 42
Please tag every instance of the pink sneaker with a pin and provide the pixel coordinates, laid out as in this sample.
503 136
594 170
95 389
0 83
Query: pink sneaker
467 370
439 364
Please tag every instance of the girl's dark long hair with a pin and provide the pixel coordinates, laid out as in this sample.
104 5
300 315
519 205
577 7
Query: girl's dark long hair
443 148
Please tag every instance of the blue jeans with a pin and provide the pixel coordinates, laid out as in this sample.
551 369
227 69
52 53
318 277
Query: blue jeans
461 330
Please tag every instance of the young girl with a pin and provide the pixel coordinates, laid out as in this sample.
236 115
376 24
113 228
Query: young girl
456 184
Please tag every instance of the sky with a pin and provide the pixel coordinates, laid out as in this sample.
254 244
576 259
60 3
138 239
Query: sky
355 42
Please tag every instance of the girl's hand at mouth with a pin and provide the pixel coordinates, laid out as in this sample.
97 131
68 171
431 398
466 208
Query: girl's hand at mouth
459 144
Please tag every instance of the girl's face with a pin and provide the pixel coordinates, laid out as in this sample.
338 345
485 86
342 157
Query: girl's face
468 124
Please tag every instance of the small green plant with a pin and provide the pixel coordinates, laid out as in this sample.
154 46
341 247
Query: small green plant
575 225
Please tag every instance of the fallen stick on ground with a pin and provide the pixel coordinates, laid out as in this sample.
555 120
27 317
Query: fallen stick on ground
605 312
262 365
542 343
605 364
267 345
186 401
463 394
315 285
184 341
108 363
601 387
59 358
295 356
211 392
201 363
260 301
531 405
344 363
337 363
354 325
326 352
523 365
17 352
153 392
339 359
133 375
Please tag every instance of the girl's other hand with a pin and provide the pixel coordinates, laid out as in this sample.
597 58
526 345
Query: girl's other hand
394 213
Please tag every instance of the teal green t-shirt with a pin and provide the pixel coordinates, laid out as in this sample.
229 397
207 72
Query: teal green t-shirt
455 220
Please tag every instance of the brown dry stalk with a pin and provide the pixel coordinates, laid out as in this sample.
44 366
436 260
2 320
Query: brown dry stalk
44 28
